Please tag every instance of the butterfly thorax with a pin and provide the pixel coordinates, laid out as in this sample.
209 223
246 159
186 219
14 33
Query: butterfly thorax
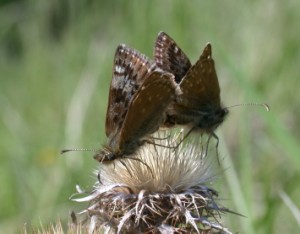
208 118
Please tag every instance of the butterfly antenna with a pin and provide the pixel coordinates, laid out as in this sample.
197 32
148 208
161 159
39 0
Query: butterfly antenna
266 106
69 150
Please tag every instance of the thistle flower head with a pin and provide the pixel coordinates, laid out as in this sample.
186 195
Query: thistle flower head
158 190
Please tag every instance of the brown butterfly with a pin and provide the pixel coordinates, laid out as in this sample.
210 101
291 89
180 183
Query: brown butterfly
138 97
199 104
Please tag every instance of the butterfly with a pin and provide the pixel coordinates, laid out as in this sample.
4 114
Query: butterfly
198 105
139 95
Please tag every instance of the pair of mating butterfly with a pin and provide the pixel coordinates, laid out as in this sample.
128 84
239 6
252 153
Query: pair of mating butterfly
146 95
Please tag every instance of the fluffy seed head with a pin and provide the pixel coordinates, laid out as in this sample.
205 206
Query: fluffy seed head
158 190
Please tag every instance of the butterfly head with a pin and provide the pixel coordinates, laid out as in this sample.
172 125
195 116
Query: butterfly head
212 119
105 155
110 153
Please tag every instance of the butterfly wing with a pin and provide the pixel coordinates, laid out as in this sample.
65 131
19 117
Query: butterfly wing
200 87
129 71
169 57
147 109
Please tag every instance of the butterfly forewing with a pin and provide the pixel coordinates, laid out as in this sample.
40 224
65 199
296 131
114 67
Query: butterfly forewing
129 71
147 109
200 86
169 57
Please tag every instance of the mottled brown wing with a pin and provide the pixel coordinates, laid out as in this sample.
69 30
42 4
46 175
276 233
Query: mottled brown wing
129 71
169 57
147 109
200 86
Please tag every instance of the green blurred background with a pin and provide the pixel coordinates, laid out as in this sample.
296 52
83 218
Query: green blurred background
55 70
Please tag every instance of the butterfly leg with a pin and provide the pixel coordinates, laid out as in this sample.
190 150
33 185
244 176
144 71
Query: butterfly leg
99 178
212 134
184 137
139 160
159 138
149 141
124 164
181 140
73 218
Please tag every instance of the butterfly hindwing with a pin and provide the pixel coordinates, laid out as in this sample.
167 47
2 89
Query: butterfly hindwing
129 71
147 109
